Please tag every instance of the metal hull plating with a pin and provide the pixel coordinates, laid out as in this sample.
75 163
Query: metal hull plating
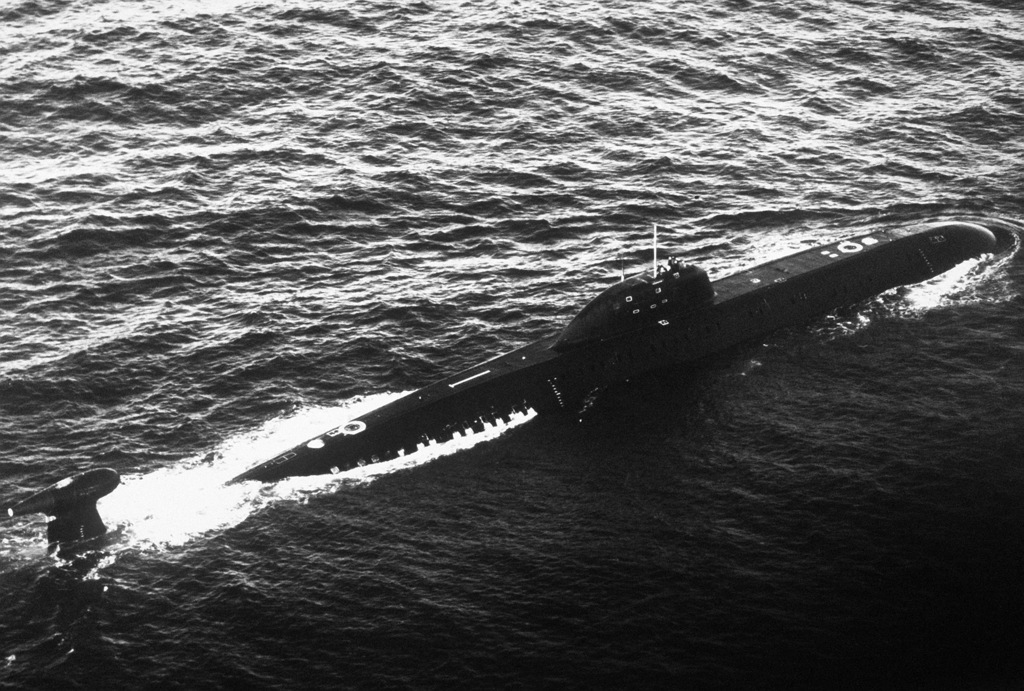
746 305
72 505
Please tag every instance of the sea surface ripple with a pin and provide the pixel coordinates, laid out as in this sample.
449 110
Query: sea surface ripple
226 225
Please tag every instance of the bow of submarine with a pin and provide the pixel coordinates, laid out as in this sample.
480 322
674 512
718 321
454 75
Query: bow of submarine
944 245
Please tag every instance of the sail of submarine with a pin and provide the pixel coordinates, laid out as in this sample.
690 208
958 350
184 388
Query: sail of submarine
674 315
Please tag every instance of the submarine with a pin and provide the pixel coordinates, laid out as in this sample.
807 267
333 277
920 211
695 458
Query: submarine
71 505
669 316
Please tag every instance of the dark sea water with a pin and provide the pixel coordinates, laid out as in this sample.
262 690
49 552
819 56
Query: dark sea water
228 226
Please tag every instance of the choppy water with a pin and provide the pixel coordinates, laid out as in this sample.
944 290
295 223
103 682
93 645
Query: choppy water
225 225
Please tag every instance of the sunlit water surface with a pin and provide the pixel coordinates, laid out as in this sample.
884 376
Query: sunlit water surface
229 226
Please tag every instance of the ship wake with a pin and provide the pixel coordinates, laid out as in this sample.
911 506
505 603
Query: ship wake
170 507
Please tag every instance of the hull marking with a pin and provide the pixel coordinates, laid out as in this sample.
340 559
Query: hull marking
478 374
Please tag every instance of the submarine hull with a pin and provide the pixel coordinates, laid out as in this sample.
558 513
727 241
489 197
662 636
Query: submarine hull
60 497
72 505
546 376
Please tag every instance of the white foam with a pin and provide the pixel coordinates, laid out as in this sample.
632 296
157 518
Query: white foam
943 288
172 506
970 282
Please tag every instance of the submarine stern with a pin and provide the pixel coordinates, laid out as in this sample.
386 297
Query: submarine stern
71 505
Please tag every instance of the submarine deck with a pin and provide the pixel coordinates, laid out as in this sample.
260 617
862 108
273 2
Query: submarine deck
784 268
726 288
536 377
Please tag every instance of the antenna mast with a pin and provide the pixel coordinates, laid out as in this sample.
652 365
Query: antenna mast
654 269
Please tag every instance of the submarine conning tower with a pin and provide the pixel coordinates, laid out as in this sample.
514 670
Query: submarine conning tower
638 301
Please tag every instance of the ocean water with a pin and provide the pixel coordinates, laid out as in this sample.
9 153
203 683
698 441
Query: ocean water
227 226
